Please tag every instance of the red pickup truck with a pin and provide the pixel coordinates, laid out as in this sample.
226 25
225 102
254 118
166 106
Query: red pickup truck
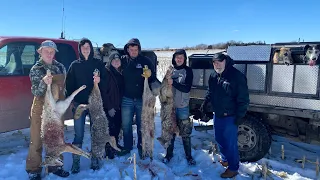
17 56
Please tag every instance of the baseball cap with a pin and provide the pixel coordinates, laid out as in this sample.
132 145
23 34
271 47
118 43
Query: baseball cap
219 57
49 43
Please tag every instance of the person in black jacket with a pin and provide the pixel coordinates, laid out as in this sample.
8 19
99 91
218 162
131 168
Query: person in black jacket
112 98
133 63
80 73
229 96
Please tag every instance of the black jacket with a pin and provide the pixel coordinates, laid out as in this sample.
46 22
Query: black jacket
132 71
228 92
80 73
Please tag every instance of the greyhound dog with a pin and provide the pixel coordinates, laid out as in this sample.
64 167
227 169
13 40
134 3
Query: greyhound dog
283 57
106 50
52 128
311 54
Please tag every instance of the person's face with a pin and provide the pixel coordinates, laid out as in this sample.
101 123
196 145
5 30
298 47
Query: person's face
85 50
219 66
116 63
47 54
179 59
133 51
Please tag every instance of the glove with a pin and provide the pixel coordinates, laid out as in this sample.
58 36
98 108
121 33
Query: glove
112 112
146 72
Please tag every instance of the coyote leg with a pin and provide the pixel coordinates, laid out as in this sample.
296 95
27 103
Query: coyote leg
63 105
113 143
75 150
80 110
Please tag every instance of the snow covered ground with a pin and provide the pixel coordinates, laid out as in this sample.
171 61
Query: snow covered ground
14 148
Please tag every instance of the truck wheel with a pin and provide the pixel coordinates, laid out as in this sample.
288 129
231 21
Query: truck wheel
254 140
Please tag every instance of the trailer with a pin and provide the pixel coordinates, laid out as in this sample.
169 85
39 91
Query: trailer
284 99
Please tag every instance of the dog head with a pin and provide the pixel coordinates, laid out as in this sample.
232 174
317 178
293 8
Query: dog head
312 54
285 56
106 49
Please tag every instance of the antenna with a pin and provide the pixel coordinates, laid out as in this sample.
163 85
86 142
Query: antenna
62 36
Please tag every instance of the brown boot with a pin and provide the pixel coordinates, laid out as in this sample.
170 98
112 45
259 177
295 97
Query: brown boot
224 164
229 174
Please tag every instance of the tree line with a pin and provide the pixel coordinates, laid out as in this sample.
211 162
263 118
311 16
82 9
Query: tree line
222 45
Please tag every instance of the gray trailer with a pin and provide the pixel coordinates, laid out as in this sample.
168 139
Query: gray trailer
284 99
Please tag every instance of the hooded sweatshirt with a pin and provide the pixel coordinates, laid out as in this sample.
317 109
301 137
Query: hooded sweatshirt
80 73
132 71
228 92
182 77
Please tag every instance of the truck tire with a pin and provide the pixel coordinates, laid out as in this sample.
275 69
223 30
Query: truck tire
254 139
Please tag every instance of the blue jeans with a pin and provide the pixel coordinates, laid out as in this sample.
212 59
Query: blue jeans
226 135
79 125
182 113
128 108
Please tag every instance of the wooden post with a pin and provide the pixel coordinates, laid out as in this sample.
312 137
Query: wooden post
264 170
282 152
134 167
303 161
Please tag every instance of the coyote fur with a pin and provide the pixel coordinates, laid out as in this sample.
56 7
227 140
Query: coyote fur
52 128
147 118
99 128
167 113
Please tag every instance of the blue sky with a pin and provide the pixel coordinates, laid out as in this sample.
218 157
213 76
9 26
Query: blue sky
157 24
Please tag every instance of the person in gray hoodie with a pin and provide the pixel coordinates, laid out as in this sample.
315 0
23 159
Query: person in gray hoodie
181 80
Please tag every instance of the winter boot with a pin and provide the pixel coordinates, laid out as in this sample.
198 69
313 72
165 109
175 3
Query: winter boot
109 151
76 161
95 164
76 164
229 174
169 154
58 170
34 176
187 149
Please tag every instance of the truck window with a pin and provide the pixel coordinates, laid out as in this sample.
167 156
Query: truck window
65 55
17 58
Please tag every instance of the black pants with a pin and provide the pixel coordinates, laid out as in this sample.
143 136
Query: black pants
115 123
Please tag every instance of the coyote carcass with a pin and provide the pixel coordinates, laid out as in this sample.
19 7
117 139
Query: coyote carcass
99 128
147 118
167 113
52 127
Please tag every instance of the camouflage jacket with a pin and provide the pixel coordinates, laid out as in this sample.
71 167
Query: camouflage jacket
38 71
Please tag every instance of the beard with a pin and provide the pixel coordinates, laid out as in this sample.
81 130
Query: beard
219 71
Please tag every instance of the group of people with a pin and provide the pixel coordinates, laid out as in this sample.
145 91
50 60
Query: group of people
121 85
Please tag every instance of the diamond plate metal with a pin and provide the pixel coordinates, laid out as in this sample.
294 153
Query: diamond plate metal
299 103
282 78
256 76
240 67
207 73
250 53
197 77
306 79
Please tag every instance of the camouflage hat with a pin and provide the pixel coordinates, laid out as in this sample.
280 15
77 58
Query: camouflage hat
49 43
